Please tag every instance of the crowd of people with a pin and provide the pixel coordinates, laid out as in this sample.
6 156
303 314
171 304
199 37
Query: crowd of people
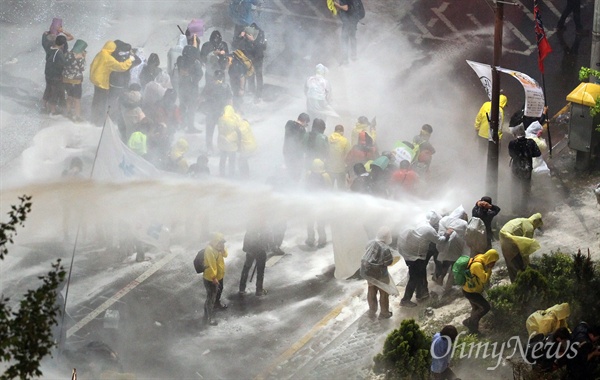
150 105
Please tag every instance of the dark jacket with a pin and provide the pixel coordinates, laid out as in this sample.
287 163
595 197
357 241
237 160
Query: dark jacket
521 151
55 63
215 42
486 215
257 240
293 139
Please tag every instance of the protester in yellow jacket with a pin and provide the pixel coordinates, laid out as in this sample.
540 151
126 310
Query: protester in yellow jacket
177 162
247 147
228 140
214 264
363 125
481 271
102 65
482 125
336 162
517 243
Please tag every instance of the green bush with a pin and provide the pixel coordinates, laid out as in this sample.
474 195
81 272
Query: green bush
405 353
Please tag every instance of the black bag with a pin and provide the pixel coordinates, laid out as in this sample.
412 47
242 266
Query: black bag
522 163
199 262
357 9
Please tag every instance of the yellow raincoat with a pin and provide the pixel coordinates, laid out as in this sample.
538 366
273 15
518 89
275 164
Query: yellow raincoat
138 143
547 321
332 7
214 260
229 125
519 231
480 275
178 162
338 150
358 128
482 126
247 141
104 64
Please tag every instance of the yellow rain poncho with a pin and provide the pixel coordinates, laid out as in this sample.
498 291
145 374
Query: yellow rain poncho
519 231
214 260
247 140
547 321
480 275
104 64
482 126
229 125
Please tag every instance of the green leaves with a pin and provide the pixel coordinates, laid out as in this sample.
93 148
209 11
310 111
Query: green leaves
26 335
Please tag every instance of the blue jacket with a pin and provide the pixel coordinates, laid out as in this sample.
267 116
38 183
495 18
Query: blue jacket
241 11
442 352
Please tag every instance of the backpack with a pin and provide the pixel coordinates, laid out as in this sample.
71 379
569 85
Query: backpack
358 10
522 164
461 271
199 261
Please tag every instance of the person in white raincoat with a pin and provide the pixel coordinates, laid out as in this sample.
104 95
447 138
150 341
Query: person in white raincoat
318 95
534 132
378 256
455 225
413 245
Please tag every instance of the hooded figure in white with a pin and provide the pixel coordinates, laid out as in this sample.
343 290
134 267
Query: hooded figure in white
454 225
318 95
534 132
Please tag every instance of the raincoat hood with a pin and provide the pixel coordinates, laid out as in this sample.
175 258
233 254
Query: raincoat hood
534 129
217 238
433 218
321 69
215 37
536 220
503 101
489 257
109 47
385 235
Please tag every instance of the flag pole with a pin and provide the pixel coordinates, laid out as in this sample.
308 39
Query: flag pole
64 311
547 118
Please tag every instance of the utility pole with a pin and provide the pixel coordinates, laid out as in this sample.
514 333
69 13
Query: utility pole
595 56
494 142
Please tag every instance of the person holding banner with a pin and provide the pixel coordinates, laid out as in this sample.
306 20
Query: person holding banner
482 121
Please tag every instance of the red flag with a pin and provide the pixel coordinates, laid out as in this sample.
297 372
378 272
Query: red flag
542 42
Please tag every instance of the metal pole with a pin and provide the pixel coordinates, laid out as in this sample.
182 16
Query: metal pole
595 56
494 142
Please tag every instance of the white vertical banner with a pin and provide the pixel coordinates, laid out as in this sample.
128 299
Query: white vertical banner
534 94
116 162
484 72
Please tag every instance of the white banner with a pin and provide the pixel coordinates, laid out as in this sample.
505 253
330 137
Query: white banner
484 72
116 162
534 95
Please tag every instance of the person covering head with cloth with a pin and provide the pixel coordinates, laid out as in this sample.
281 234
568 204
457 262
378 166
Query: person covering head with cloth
214 264
318 95
373 268
480 268
517 243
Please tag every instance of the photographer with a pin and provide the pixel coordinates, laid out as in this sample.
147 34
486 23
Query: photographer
583 365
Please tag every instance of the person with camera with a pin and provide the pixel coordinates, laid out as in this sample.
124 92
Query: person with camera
486 211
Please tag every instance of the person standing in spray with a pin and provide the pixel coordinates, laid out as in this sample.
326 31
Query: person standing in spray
256 244
486 211
214 264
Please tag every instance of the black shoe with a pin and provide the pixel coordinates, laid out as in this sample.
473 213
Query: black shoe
423 297
407 303
309 243
220 306
321 245
385 315
260 293
212 322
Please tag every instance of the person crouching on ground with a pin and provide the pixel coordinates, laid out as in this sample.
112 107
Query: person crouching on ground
441 352
214 262
481 272
374 269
